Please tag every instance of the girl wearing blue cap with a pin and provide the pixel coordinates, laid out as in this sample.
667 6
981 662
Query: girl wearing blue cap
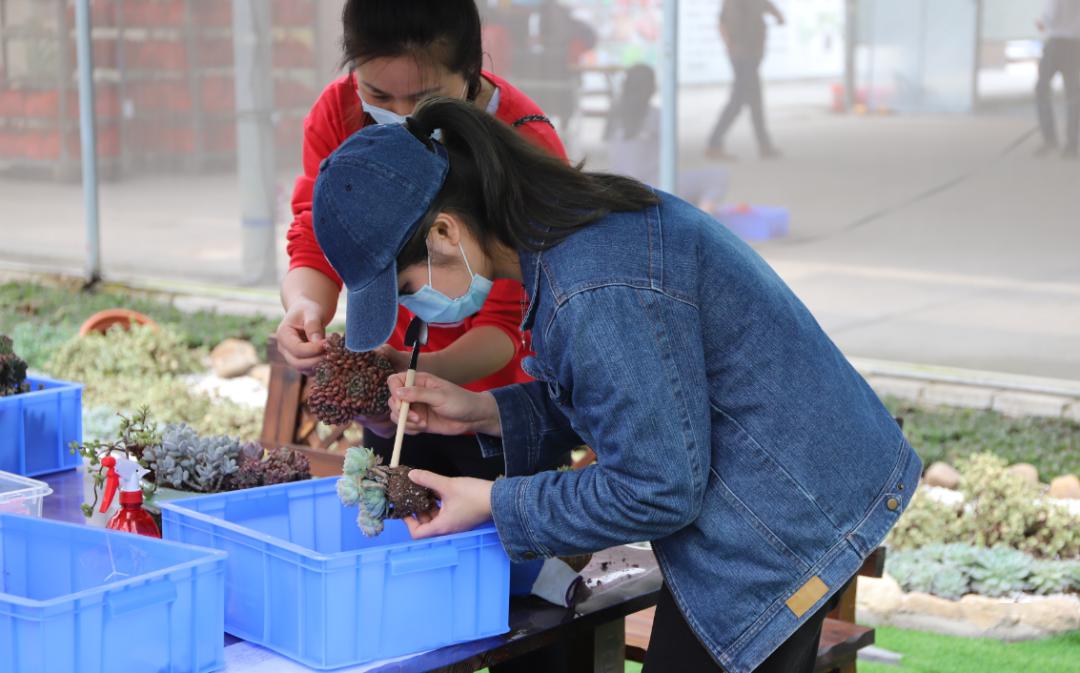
729 430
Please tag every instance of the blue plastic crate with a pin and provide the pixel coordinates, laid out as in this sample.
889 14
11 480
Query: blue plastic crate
304 581
756 223
37 428
77 599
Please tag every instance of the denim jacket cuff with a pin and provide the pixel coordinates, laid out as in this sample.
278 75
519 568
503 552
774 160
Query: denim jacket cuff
508 498
490 446
517 419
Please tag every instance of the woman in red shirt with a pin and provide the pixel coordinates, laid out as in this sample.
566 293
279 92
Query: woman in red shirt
400 52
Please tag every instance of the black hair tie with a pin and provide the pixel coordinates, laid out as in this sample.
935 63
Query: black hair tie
419 131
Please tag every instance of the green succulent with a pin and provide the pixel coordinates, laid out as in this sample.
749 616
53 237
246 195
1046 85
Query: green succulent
999 509
1001 571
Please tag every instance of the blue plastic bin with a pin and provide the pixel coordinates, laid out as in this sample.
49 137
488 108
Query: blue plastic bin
303 580
37 428
77 599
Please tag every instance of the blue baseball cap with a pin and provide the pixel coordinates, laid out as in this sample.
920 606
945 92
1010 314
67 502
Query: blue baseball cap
369 199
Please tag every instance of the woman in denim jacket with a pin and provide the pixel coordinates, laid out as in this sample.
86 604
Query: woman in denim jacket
729 430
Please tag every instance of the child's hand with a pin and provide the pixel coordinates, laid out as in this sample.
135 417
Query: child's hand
466 503
301 336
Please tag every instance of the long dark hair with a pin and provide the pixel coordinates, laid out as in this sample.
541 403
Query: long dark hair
629 114
509 191
447 30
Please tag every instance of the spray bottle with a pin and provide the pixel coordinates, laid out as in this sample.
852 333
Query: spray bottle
132 518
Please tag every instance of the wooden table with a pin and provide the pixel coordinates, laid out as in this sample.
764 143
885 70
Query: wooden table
622 581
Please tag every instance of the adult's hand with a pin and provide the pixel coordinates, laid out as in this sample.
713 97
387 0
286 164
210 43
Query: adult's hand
466 503
441 407
301 336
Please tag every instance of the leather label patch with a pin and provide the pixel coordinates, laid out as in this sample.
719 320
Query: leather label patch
805 598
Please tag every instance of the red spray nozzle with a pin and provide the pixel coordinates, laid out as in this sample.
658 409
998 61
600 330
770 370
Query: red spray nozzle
112 482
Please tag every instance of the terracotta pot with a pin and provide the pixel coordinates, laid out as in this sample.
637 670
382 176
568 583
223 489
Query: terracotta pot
102 320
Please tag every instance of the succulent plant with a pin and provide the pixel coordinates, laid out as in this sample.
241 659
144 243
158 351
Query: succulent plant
1055 577
259 467
1001 571
12 370
379 491
186 461
347 385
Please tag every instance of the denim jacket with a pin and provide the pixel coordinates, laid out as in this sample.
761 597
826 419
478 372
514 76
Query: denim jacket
728 428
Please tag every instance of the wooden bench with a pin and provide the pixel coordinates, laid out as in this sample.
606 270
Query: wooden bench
841 637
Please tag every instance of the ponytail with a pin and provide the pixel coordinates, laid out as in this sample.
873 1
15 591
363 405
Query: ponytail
509 191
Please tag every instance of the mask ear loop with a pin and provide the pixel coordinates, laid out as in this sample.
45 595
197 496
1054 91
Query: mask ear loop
468 267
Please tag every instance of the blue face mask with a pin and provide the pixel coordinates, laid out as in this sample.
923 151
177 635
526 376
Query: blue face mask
381 115
435 308
384 116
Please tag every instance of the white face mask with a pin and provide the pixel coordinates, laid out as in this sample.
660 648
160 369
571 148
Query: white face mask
384 116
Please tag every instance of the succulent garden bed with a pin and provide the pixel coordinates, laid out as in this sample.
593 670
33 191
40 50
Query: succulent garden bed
165 367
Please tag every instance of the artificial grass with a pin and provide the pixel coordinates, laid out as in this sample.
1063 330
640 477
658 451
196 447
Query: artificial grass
933 653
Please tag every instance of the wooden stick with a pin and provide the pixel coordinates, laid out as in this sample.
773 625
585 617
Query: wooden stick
399 438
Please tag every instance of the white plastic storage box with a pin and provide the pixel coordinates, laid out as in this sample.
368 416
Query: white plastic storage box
22 495
303 580
38 427
78 599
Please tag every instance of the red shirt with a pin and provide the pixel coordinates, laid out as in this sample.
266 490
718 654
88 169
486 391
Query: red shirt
336 116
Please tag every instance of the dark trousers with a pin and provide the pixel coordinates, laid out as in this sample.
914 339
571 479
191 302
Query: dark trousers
1059 56
745 91
673 647
449 456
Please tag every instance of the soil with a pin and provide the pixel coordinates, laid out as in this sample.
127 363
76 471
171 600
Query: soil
405 497
577 563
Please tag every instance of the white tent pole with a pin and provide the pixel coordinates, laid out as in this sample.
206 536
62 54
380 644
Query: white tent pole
669 89
88 140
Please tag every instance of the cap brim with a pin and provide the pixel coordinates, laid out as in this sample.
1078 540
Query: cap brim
371 312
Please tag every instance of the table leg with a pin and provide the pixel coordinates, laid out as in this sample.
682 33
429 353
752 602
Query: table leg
602 650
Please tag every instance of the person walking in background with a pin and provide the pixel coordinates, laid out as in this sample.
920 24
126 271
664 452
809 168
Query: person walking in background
743 29
1060 23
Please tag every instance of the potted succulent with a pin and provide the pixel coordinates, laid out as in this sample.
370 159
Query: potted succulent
38 418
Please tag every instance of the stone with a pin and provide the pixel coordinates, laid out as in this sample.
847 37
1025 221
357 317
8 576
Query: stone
952 395
942 475
882 595
1019 404
890 386
233 357
988 614
919 603
1025 471
1051 614
261 373
1066 487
